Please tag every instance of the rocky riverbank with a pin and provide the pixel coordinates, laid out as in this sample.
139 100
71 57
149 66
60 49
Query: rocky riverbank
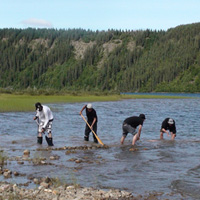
69 192
50 188
46 188
44 192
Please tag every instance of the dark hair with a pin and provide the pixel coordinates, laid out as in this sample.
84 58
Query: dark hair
38 105
142 116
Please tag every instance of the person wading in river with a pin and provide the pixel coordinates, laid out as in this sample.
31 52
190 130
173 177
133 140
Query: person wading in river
129 126
168 124
44 118
92 121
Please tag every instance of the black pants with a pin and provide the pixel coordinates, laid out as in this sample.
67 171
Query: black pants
88 130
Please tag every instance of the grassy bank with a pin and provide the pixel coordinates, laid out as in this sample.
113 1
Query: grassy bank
12 102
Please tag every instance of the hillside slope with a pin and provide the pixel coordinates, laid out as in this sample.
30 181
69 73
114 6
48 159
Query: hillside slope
114 60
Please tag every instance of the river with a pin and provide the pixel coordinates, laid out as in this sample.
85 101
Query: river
169 167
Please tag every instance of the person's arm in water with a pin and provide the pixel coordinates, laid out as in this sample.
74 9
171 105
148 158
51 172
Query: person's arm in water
165 131
173 132
137 136
82 109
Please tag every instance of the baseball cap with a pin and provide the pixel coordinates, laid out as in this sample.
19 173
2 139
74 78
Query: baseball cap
170 121
142 116
89 105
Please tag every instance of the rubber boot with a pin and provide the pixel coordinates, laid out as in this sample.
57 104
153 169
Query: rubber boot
86 138
95 139
49 141
39 140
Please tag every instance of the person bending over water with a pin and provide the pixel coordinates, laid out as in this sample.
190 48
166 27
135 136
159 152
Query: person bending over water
168 124
129 126
45 120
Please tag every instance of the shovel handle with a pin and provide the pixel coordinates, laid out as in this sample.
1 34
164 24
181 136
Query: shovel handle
92 130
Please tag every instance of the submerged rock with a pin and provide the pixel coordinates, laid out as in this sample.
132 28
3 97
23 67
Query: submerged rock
133 149
69 152
78 161
26 152
105 146
16 173
72 159
7 174
54 157
20 162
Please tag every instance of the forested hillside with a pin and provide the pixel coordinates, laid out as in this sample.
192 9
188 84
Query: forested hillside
114 60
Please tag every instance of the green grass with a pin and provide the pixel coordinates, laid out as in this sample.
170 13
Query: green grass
11 102
22 103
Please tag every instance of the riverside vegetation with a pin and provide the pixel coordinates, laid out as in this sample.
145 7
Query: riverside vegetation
113 60
49 61
26 102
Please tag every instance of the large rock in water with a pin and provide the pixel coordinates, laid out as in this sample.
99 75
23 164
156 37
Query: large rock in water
26 152
7 174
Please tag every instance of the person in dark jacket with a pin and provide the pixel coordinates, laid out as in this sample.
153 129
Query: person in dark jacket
92 121
168 124
129 126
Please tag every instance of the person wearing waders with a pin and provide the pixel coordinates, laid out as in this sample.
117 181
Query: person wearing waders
44 119
168 124
129 126
92 121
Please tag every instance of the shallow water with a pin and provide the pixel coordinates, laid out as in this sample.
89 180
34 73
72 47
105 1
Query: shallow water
169 167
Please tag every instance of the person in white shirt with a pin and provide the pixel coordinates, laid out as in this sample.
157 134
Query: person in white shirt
44 118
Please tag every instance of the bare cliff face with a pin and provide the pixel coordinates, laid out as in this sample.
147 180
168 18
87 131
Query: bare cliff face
80 47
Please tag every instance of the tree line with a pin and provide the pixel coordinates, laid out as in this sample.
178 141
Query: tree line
117 60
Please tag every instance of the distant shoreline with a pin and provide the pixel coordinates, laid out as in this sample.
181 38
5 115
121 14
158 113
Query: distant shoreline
180 94
25 102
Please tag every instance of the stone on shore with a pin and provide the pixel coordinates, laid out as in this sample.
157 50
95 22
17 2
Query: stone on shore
71 192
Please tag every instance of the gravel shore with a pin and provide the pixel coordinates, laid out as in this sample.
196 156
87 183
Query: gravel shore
44 192
48 188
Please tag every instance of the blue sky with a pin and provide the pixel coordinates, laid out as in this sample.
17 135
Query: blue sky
98 14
